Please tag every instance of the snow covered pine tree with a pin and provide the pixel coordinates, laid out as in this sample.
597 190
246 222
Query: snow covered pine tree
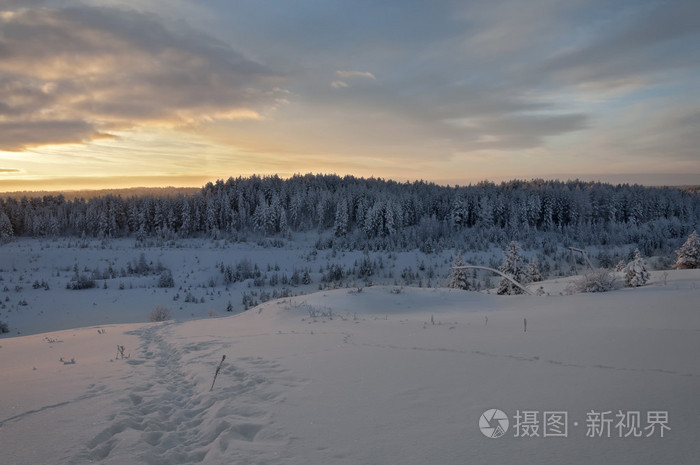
459 277
515 267
636 273
689 253
533 272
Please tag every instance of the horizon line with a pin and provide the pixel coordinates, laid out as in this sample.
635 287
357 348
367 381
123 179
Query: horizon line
122 183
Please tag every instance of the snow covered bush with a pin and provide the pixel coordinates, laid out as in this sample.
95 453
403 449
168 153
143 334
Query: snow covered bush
4 328
459 277
689 253
515 267
636 273
600 280
81 281
160 313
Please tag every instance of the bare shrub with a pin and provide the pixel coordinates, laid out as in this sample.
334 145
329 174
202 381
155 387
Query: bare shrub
160 313
600 280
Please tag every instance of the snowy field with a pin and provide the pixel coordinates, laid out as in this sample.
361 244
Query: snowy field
382 374
34 275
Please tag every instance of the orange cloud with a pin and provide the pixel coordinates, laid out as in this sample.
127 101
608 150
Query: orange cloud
74 74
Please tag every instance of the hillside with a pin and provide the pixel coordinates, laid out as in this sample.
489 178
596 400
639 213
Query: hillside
381 375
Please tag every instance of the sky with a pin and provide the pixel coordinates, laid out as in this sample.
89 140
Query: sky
116 93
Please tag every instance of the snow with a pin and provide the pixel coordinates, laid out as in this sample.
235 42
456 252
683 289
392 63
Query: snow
371 375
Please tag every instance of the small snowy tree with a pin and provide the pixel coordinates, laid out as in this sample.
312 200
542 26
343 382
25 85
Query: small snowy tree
636 273
166 279
689 253
514 266
459 277
533 272
620 266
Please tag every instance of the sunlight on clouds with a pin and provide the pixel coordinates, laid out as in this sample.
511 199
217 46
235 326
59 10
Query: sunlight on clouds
73 74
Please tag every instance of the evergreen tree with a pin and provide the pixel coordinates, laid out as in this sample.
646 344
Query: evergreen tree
6 232
636 273
340 227
306 277
689 253
533 272
458 215
459 278
513 266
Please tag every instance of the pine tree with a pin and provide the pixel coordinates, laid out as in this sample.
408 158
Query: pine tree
6 232
306 277
533 272
340 227
458 215
636 273
689 253
513 266
459 277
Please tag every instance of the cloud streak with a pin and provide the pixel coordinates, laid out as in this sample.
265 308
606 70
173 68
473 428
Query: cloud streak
356 74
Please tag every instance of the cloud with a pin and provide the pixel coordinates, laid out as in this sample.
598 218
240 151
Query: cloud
513 131
16 136
652 130
338 84
652 41
354 74
69 75
9 170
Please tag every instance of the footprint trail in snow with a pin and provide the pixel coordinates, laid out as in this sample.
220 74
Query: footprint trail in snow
170 417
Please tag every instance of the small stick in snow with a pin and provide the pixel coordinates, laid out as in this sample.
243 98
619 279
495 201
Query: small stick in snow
525 325
486 321
218 369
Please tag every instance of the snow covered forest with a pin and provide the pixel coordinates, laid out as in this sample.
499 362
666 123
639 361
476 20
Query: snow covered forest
358 213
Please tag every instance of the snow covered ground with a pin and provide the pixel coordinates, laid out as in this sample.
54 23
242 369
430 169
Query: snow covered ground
359 375
34 274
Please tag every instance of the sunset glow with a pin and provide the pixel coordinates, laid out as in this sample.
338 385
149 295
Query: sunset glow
103 94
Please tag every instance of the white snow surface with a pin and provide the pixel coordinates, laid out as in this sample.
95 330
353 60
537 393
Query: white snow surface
359 375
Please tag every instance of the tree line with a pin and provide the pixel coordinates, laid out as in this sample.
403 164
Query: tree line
375 213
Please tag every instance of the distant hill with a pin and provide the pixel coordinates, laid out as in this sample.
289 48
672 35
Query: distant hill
88 194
